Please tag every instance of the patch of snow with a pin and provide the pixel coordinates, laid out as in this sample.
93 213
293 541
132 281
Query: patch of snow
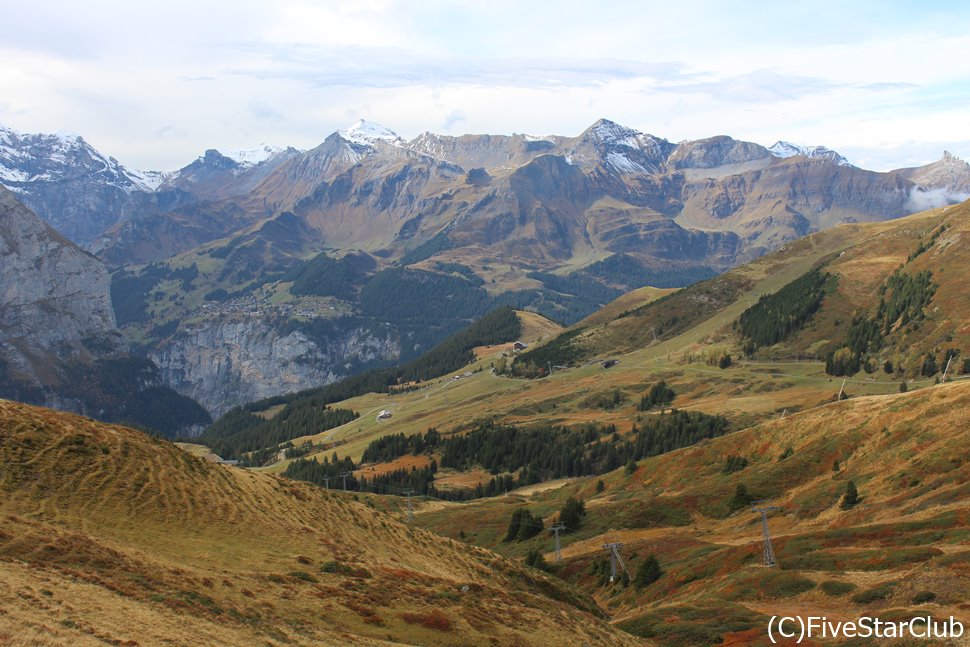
12 175
623 164
254 156
148 180
612 133
785 150
367 133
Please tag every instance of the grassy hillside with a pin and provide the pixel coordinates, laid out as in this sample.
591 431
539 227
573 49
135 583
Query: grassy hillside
110 536
900 551
681 336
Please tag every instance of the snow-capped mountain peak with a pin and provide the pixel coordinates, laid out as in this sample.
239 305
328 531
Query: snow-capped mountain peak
253 156
624 149
785 149
612 133
367 133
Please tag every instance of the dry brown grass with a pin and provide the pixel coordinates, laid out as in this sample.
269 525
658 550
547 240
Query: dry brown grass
111 536
908 453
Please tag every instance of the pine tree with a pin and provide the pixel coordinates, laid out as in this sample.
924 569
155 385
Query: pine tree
572 514
851 496
741 497
535 559
513 532
648 572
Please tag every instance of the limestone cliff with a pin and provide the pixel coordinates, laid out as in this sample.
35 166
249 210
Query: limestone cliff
54 299
58 343
224 363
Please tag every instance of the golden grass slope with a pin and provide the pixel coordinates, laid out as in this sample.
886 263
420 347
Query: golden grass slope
909 455
110 536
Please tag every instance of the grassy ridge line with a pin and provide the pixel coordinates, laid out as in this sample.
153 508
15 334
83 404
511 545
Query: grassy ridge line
131 532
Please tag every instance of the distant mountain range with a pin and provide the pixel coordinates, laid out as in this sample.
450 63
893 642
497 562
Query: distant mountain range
248 274
549 199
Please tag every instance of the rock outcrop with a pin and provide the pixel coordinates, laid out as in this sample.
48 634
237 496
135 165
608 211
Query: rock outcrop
54 297
58 343
226 363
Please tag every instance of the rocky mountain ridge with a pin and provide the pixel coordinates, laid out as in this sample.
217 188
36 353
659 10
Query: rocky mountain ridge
113 210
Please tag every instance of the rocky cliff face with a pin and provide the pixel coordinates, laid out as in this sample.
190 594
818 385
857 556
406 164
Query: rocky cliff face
58 343
53 296
226 363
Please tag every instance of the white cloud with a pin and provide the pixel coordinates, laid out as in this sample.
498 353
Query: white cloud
155 84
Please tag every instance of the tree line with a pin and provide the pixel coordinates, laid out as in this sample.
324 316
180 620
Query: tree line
520 456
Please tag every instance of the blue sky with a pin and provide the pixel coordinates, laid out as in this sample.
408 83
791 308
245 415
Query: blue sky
885 83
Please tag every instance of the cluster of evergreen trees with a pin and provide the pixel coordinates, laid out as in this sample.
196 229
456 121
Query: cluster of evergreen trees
326 276
902 302
543 453
331 472
239 431
418 480
564 350
116 389
418 296
629 273
386 448
572 513
535 454
659 395
129 290
924 245
523 525
734 463
776 316
908 296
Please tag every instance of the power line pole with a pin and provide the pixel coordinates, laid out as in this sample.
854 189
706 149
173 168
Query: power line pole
614 559
768 552
344 476
557 528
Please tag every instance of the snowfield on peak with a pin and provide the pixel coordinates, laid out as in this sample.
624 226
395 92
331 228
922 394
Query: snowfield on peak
785 149
367 132
254 156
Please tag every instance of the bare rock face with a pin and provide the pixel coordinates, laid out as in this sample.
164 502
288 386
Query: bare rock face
223 364
54 297
716 151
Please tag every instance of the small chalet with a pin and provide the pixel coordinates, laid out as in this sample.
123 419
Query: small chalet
519 346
